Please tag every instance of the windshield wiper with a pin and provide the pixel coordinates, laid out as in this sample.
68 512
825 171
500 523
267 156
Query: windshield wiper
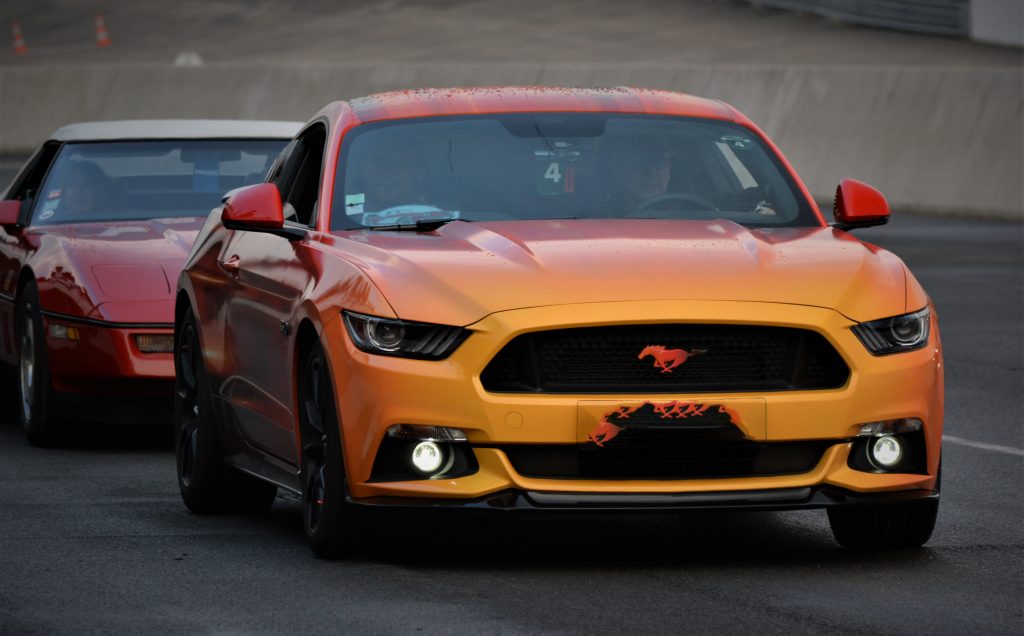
425 225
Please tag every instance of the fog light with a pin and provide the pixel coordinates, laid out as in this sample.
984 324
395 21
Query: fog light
887 451
427 457
63 332
155 343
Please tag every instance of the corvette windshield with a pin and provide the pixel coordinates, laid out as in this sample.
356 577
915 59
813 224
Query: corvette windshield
561 165
132 180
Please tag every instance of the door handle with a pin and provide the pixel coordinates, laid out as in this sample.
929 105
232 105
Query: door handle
231 265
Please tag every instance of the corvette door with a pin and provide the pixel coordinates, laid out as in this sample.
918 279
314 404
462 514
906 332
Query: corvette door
14 251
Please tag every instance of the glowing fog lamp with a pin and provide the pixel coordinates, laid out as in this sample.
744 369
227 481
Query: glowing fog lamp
427 457
886 451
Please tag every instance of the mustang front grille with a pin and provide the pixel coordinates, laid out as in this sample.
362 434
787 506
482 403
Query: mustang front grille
665 358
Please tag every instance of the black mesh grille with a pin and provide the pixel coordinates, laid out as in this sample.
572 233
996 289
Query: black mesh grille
664 456
721 358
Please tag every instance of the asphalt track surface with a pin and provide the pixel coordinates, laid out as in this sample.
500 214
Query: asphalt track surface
96 540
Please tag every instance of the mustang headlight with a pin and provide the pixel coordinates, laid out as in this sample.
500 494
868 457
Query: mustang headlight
893 335
390 337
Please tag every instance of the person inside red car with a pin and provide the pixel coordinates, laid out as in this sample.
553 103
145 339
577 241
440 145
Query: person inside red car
85 192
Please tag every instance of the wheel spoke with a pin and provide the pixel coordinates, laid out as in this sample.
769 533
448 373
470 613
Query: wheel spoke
27 363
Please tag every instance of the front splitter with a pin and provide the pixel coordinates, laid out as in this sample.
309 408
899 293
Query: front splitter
771 499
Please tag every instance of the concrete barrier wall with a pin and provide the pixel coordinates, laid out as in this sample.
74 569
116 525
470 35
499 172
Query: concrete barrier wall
938 140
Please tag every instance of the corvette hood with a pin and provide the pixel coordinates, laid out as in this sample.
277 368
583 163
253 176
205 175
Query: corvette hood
464 271
118 272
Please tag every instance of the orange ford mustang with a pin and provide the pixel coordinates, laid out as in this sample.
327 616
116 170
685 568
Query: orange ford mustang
548 298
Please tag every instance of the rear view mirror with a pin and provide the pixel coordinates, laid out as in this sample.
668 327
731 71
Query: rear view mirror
859 205
257 208
10 212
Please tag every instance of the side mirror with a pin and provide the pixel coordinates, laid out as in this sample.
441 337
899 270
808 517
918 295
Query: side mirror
859 205
257 208
10 212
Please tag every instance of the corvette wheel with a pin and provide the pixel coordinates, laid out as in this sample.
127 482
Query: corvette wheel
902 525
207 485
35 394
329 521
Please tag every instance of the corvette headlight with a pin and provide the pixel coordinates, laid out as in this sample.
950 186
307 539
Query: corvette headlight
893 335
390 337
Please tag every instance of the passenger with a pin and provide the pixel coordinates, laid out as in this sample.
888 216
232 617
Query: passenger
392 180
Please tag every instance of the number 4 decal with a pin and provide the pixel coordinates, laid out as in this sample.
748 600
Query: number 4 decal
553 173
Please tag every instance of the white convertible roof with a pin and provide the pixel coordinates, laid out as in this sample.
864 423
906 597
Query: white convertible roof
176 129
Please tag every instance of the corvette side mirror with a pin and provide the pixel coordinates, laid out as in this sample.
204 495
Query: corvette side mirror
859 205
10 211
257 208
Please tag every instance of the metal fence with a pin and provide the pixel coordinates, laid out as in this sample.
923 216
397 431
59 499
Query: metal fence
939 17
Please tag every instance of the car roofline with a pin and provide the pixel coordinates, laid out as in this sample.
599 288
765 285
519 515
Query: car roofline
142 129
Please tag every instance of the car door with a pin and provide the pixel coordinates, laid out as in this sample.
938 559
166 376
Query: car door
15 250
265 295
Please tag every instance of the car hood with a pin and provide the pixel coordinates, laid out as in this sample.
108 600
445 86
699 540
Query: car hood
465 271
122 272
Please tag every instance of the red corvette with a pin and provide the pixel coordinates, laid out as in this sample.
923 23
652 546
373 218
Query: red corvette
93 232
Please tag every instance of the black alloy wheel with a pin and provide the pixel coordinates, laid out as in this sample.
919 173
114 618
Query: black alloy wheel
207 485
330 522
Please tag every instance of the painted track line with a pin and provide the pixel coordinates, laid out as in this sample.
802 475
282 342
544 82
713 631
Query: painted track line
1009 450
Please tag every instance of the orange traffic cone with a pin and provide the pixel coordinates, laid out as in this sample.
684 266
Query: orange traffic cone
102 37
20 48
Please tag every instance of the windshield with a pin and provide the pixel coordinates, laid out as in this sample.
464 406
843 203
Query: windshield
561 165
132 180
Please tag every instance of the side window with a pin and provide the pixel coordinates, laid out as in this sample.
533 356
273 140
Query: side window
274 174
299 176
26 185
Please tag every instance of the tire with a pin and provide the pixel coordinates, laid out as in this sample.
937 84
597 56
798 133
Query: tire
899 525
207 485
330 522
35 392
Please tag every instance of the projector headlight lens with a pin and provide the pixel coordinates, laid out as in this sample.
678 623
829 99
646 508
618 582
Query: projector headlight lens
391 337
906 332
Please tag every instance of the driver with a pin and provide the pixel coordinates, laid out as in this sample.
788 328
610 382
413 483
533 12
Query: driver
85 191
640 171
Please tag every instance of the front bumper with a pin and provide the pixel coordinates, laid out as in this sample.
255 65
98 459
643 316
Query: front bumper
105 361
376 392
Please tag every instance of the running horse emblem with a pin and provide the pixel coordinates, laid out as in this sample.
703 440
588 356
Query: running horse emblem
668 359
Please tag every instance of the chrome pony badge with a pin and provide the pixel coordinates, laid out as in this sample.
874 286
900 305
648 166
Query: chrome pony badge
668 359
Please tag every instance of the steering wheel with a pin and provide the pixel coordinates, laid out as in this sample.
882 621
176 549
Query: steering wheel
699 203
